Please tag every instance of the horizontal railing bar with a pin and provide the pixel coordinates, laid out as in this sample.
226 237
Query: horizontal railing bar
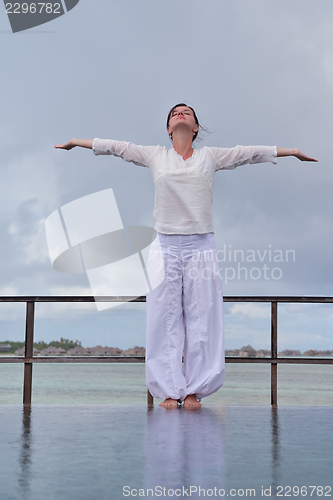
273 298
86 359
141 359
124 298
300 361
72 298
74 359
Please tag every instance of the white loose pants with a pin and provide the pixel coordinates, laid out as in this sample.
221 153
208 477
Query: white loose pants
184 312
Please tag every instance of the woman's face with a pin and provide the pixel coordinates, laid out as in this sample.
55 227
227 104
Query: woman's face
182 116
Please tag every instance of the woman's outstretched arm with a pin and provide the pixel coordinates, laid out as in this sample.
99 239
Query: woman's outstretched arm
294 152
83 143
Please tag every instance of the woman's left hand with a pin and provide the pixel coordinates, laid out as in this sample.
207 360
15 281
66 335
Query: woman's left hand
303 157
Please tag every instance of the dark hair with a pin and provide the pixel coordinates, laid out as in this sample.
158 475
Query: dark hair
195 117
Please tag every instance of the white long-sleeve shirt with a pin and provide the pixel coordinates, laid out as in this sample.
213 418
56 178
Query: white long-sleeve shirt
184 188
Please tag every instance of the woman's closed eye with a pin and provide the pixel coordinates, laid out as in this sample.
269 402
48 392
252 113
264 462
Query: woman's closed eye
184 113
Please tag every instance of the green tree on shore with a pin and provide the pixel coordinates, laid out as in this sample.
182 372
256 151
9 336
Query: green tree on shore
63 343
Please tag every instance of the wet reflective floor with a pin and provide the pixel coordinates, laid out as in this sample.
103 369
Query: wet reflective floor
124 451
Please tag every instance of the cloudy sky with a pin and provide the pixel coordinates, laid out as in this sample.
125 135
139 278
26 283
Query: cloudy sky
256 72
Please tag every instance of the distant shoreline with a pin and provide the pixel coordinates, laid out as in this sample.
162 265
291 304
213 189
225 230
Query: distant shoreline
68 350
302 356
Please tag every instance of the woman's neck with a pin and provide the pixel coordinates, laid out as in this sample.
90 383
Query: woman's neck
182 144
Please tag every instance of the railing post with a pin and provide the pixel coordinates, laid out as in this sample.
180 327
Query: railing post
274 353
29 339
150 399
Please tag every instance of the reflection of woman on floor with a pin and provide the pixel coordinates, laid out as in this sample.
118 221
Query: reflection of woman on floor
176 459
184 312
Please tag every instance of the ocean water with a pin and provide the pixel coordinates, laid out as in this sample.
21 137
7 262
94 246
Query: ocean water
118 383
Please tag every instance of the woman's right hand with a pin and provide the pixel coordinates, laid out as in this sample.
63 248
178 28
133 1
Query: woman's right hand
68 145
83 143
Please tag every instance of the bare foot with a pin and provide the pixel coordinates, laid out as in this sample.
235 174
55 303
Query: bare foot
169 403
191 402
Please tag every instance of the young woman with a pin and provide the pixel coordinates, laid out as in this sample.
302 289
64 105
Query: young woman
185 311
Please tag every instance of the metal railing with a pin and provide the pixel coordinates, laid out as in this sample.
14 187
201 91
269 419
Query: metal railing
29 359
